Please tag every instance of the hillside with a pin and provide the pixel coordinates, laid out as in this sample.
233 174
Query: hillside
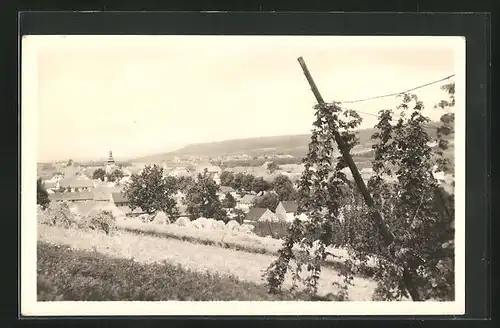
295 145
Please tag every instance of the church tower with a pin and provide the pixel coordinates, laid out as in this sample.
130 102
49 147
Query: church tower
111 161
110 164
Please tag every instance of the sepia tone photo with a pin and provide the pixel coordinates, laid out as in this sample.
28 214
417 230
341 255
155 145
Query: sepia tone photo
280 172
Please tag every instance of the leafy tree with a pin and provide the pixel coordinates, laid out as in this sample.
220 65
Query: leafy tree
239 181
202 199
418 213
184 183
42 196
239 215
269 200
151 192
284 188
248 182
70 162
99 174
226 178
229 201
259 184
116 175
272 167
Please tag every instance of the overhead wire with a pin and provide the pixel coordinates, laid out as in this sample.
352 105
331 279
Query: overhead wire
396 93
393 94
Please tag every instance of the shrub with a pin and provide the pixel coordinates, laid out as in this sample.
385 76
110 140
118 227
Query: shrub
101 221
59 214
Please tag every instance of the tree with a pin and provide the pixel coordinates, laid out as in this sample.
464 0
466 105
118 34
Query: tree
239 215
184 183
42 196
151 192
70 162
248 182
99 174
415 209
269 200
116 175
259 184
272 167
229 201
239 181
226 178
284 188
202 199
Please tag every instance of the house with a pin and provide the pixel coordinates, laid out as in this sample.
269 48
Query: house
261 215
71 197
119 199
286 210
76 183
227 189
51 185
246 202
102 194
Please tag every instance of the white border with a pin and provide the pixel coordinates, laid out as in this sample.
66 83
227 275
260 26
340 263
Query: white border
31 45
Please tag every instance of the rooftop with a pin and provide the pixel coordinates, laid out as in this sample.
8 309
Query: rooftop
256 213
289 206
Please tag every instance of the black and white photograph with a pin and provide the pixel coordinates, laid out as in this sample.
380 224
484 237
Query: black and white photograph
249 175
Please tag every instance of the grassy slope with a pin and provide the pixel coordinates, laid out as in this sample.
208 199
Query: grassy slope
196 257
73 275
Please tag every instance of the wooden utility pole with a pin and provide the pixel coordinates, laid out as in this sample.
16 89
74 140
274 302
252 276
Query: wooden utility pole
376 216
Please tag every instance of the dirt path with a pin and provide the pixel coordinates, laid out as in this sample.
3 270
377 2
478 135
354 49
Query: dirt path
245 266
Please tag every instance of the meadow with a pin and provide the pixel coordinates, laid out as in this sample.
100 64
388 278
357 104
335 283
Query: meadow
147 261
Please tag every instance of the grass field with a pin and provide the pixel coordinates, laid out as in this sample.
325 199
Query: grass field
147 250
73 275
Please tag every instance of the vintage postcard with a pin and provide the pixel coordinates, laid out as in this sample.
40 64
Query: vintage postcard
242 175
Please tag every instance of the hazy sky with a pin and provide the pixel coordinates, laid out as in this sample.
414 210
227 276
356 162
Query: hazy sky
147 94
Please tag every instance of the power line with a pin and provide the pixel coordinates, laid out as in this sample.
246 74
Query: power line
396 93
375 115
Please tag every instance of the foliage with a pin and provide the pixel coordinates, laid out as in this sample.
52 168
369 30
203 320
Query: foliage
42 196
184 183
259 184
244 182
284 187
417 211
229 201
101 221
72 275
99 174
226 178
272 167
269 200
58 214
151 192
202 199
238 215
116 175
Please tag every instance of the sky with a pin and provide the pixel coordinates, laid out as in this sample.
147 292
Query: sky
140 95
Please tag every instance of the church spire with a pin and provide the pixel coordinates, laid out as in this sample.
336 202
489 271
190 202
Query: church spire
110 159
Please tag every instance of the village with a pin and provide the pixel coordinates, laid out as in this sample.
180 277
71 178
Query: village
84 191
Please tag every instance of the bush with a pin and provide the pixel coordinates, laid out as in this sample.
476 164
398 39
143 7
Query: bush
58 214
101 221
